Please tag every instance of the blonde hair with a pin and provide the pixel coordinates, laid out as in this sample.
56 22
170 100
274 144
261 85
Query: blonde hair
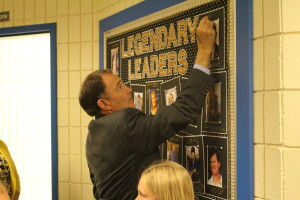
168 181
14 189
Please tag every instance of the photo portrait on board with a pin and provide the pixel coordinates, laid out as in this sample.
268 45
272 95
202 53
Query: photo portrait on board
214 167
213 103
114 53
172 151
153 101
171 95
217 57
215 108
215 153
139 96
138 100
192 162
216 47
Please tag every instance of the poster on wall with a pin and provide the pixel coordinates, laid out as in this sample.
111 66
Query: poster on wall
153 97
167 48
155 60
216 170
139 96
170 90
215 106
193 161
173 149
114 58
217 58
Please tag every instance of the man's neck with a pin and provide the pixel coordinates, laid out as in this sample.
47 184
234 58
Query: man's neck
216 178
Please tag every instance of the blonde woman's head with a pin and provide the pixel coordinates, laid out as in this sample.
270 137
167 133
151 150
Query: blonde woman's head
165 181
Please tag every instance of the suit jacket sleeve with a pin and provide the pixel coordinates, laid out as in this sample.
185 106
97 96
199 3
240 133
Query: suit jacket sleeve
147 132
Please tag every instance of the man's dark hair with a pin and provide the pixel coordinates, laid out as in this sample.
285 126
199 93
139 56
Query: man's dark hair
219 157
91 90
217 152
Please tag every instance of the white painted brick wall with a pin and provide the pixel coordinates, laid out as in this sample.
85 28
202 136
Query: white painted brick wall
272 117
274 172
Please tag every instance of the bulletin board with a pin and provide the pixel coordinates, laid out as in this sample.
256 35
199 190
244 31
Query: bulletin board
154 55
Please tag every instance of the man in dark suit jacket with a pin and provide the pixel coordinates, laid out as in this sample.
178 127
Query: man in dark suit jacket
122 140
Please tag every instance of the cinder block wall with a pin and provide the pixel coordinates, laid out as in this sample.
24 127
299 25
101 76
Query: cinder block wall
276 42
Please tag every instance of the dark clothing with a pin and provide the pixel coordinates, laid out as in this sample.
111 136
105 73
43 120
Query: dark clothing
122 144
194 165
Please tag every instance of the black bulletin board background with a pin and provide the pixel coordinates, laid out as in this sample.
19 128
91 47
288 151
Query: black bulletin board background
203 133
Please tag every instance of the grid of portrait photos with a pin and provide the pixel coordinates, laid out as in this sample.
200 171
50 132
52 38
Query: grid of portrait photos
202 146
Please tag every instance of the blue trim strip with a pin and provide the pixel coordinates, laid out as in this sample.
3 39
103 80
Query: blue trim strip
54 122
30 29
137 11
49 28
244 116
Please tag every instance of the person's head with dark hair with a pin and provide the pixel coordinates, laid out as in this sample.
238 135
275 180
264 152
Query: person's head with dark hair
91 90
102 92
215 162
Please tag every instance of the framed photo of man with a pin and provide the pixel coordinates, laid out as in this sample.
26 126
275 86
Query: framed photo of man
215 107
194 161
170 90
215 151
139 94
153 97
217 58
114 59
173 149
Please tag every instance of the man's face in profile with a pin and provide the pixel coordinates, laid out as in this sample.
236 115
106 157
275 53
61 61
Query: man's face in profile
119 95
215 165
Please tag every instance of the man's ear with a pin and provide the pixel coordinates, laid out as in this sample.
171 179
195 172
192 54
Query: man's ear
103 104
